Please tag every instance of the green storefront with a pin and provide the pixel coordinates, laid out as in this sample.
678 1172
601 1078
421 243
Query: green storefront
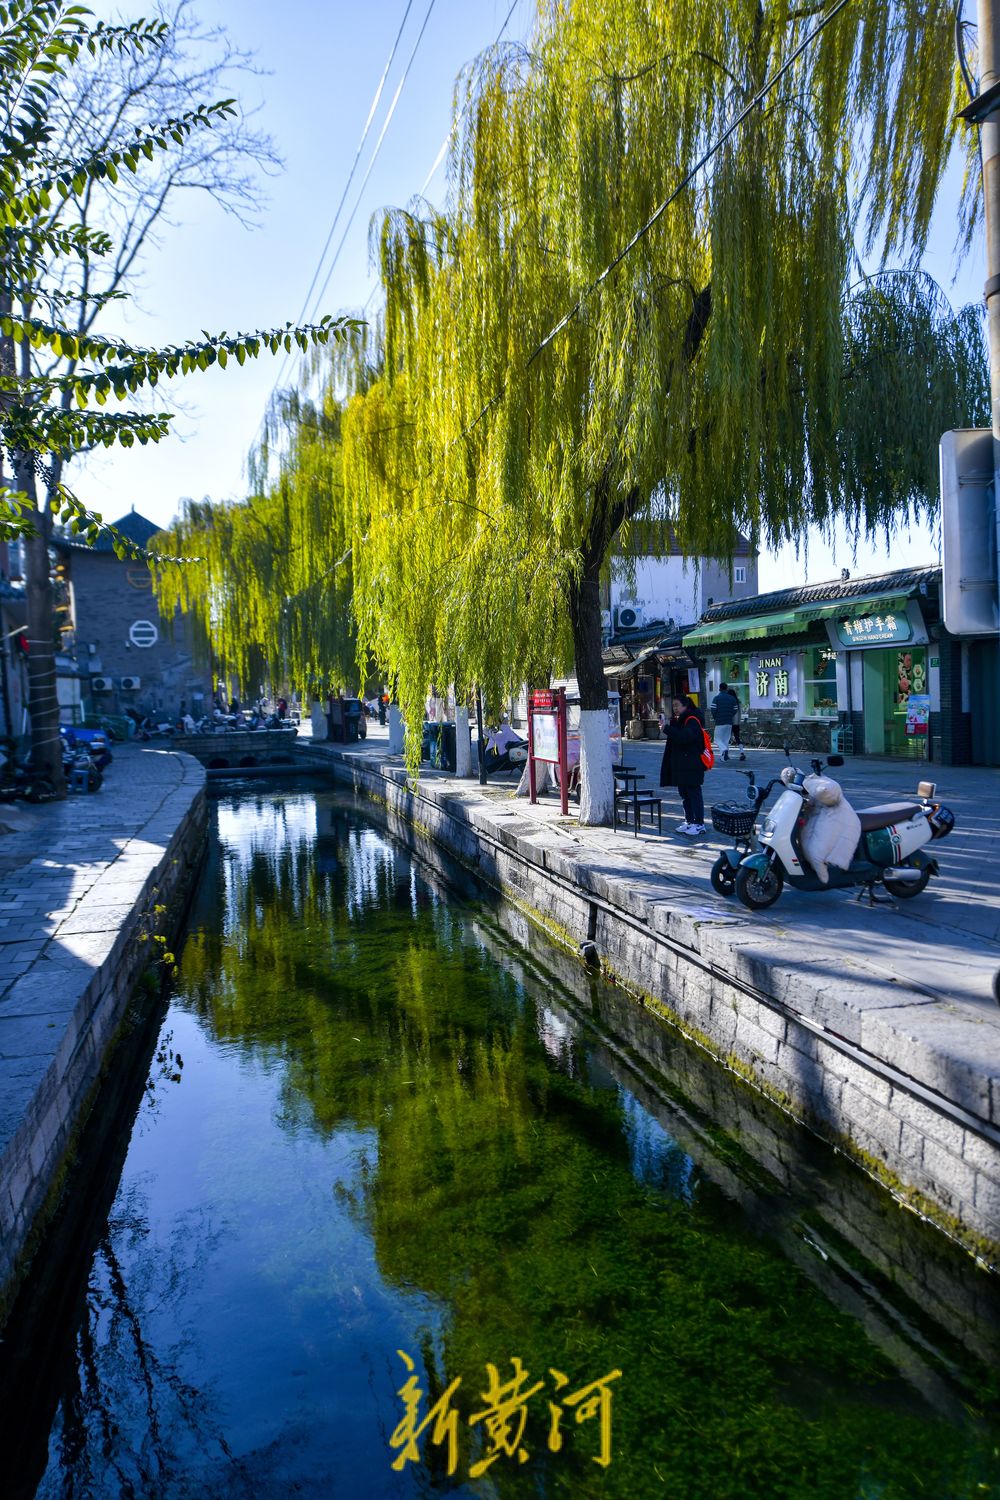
895 670
856 672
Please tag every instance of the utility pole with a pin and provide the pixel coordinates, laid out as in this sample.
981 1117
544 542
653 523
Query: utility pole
984 111
988 115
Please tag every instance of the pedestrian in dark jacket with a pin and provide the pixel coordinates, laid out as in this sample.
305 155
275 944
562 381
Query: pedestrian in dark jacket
682 764
725 712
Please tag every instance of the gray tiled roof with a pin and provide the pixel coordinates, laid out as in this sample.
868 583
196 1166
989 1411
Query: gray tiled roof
901 580
133 526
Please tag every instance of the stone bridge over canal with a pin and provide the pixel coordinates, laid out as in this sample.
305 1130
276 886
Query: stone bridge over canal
250 752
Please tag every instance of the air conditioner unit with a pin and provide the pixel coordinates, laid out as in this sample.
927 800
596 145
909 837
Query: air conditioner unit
101 684
630 616
606 621
130 684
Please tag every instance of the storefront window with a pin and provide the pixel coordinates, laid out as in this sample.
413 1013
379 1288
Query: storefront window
819 697
736 674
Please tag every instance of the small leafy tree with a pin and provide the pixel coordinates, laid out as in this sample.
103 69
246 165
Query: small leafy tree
48 415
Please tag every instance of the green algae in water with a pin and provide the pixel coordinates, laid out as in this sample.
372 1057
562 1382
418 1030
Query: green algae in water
390 1134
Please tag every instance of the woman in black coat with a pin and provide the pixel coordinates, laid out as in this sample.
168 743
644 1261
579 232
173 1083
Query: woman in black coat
682 765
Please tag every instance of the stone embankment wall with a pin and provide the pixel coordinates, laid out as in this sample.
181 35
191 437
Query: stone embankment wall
924 1122
59 1020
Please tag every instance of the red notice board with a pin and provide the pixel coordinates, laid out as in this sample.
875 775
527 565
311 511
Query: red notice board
547 740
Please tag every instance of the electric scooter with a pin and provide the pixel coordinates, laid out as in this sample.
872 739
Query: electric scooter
739 823
890 853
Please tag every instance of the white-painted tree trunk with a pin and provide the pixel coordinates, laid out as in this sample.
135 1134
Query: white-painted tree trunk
463 742
317 717
543 775
395 730
597 782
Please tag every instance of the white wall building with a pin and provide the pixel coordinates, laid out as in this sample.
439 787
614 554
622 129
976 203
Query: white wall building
677 588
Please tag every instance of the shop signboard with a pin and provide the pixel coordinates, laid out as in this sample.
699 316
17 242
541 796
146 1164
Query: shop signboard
874 630
774 681
547 741
918 712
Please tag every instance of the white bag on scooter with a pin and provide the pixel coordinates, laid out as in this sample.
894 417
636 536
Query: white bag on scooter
833 829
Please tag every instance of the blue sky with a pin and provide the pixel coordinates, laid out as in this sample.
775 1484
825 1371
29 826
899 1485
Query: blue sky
321 66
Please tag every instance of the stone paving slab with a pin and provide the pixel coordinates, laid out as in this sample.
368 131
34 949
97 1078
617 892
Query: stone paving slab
75 877
911 983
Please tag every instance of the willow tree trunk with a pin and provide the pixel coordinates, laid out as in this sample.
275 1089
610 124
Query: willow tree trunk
43 701
597 785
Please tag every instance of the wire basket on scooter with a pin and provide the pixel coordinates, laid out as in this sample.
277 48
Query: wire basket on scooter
733 819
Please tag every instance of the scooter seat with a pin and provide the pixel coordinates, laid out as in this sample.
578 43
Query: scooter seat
887 814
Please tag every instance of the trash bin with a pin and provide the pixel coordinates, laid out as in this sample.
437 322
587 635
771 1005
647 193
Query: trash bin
352 719
448 758
437 745
430 743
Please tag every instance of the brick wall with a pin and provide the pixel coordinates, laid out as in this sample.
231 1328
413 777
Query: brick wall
109 599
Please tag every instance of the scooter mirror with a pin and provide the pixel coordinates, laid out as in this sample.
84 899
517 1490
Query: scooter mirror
788 753
835 760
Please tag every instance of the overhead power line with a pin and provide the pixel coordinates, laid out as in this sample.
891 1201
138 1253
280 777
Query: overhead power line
357 158
378 147
347 187
444 144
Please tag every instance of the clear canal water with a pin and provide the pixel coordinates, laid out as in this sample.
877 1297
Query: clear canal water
381 1140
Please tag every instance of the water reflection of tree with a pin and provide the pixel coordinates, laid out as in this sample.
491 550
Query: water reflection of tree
126 1378
502 1186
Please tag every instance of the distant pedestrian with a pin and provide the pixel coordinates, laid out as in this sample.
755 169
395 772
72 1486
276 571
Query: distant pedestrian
736 743
282 708
682 765
725 708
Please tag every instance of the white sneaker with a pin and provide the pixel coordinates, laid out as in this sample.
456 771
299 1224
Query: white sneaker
683 828
694 829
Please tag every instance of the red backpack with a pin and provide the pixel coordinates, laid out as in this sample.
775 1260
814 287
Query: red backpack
707 753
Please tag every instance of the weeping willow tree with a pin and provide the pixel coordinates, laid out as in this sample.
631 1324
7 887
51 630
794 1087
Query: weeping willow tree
734 370
266 583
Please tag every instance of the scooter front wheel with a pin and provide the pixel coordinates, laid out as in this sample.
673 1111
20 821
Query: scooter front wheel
723 877
759 888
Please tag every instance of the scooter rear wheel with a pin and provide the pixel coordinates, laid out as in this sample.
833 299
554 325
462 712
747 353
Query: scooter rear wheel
759 888
723 877
899 889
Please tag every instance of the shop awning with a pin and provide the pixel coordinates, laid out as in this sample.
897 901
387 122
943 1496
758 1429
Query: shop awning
794 621
623 669
749 628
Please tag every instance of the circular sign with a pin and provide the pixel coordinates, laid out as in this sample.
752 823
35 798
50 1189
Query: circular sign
139 578
143 633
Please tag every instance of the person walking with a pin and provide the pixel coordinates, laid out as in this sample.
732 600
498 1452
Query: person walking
725 708
736 743
682 765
